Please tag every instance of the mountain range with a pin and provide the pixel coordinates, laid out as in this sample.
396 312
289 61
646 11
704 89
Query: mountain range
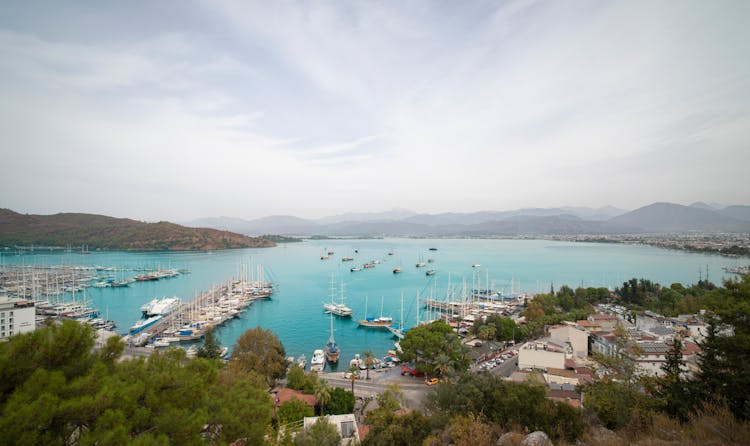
102 232
654 218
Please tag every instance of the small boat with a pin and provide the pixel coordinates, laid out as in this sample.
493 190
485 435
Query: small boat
369 265
330 253
396 270
324 257
420 264
433 249
318 361
347 259
355 268
475 265
430 260
429 272
302 361
223 353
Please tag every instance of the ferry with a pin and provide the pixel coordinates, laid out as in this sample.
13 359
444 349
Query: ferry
144 324
160 306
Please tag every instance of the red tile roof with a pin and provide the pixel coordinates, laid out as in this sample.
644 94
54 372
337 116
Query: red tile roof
286 394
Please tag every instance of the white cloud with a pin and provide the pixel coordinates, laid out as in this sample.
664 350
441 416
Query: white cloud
315 108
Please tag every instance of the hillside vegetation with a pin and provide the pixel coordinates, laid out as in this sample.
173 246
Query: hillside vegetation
102 232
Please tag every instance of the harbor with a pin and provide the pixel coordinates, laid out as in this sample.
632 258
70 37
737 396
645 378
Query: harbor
302 284
189 321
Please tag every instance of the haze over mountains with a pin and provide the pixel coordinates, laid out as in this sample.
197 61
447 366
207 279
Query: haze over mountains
657 217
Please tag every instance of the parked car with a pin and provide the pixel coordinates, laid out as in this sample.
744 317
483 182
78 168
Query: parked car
431 381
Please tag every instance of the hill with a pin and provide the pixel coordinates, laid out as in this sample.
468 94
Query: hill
669 217
102 232
738 212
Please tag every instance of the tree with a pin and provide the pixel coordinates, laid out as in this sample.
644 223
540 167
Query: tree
369 356
487 332
260 351
425 343
725 374
341 402
463 431
321 433
387 429
671 388
323 394
211 349
292 411
295 378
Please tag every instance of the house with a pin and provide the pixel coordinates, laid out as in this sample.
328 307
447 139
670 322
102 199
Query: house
606 322
346 426
285 394
588 326
652 357
604 343
578 339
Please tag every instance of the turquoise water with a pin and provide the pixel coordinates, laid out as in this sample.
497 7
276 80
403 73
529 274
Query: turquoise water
295 311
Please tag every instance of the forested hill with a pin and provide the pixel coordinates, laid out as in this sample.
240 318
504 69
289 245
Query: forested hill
102 232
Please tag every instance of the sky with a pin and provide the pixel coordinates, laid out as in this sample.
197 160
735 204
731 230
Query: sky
175 110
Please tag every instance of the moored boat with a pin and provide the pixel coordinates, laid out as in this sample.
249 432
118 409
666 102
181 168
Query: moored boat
332 349
144 324
317 361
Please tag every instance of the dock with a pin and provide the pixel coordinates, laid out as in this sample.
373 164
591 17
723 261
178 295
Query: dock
208 310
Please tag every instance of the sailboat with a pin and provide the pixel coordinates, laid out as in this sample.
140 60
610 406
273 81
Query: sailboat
398 329
332 348
420 264
333 307
372 322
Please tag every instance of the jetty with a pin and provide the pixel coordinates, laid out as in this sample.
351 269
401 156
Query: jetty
210 309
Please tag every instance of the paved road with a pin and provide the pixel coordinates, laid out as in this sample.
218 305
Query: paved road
414 389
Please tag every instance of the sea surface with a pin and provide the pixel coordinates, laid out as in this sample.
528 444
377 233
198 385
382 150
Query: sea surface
303 280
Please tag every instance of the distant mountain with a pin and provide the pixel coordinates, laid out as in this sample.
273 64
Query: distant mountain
394 214
545 225
566 220
669 217
702 205
102 232
275 224
738 212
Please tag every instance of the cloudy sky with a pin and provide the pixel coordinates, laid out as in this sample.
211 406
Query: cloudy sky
177 110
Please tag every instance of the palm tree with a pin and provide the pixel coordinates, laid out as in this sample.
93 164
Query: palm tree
353 369
323 394
443 364
369 356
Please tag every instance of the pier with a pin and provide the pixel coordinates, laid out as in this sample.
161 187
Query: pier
210 309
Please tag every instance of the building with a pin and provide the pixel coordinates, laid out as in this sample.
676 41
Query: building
543 354
16 316
578 339
345 424
652 358
606 322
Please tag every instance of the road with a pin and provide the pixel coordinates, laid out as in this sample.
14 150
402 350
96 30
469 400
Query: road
414 389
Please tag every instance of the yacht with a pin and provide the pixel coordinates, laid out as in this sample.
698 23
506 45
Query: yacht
317 361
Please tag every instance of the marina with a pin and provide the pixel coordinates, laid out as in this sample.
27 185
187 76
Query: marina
301 284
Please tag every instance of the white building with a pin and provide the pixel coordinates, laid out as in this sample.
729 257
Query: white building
578 339
16 316
544 354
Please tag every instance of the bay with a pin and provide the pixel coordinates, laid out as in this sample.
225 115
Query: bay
303 280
